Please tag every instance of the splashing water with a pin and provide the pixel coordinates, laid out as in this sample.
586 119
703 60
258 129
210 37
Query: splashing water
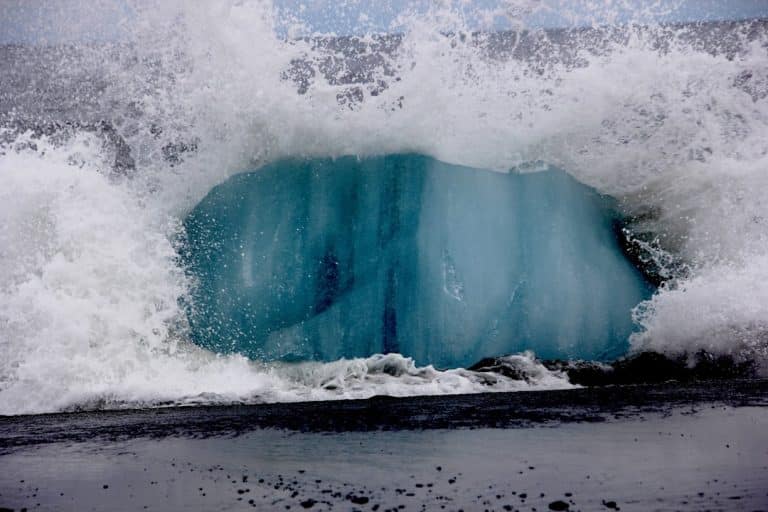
107 146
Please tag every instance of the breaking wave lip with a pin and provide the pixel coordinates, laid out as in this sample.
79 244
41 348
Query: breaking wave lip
91 319
90 225
345 379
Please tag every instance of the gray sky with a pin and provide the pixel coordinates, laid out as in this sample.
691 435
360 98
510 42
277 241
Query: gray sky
54 21
344 16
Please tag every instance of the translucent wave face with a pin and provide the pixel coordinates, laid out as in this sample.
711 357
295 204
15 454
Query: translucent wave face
669 121
324 259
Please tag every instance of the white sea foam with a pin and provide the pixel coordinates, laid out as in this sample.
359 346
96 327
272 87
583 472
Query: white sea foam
90 284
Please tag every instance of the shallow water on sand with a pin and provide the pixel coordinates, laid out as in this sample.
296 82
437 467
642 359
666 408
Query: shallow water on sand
666 453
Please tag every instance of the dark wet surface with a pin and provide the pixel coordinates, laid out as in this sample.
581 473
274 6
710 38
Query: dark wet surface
665 447
492 410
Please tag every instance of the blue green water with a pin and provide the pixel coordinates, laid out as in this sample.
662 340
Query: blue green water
328 258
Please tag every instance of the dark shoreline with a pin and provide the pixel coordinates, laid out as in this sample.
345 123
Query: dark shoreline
381 413
697 446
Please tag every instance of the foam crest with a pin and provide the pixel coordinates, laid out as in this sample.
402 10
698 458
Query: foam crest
671 121
90 314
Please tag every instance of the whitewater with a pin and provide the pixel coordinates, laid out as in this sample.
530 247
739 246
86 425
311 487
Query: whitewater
668 121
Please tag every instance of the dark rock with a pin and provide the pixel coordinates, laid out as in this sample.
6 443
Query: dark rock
499 366
308 503
640 249
652 368
358 500
559 505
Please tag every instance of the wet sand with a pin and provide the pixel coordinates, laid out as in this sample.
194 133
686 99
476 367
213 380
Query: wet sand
697 447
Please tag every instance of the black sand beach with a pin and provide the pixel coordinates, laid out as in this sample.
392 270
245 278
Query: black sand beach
663 447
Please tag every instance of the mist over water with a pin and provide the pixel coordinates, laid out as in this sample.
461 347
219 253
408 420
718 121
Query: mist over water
107 146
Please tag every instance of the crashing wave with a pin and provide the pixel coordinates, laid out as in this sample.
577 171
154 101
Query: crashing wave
106 151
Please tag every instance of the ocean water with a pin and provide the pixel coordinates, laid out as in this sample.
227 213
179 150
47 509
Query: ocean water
211 209
347 257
